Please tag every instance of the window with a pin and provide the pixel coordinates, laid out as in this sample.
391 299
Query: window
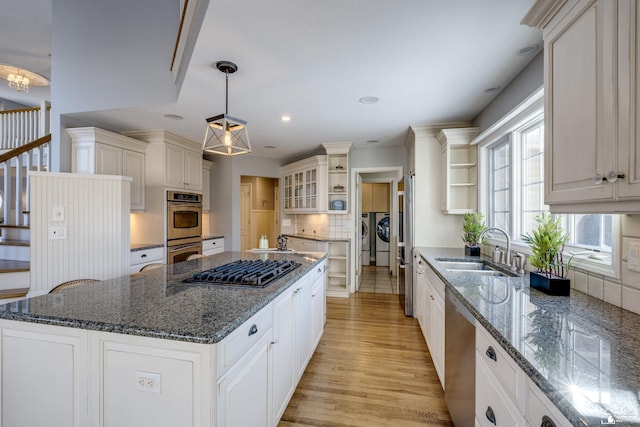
514 191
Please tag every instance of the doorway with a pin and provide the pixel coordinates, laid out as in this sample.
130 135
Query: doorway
377 227
259 211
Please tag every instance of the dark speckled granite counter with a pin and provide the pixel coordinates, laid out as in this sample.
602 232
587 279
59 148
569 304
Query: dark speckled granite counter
157 304
582 352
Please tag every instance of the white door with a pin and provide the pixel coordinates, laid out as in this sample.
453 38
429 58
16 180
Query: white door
358 238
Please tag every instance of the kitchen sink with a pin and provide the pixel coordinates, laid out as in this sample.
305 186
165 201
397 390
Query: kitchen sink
478 268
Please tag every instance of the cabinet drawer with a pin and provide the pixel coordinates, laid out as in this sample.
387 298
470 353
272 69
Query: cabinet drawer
499 363
316 272
234 346
492 407
539 408
146 256
212 246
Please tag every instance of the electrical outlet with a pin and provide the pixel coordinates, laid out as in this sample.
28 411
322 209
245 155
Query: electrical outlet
147 381
58 233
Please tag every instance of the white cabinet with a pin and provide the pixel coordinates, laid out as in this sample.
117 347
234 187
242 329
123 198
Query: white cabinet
284 375
459 170
305 185
337 177
97 151
143 257
213 246
244 394
591 104
302 318
430 313
183 167
206 185
539 411
318 306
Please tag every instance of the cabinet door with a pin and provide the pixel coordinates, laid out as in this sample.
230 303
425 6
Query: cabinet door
193 170
302 298
174 166
284 380
367 197
437 335
244 393
311 189
580 105
629 101
108 160
380 197
317 311
133 166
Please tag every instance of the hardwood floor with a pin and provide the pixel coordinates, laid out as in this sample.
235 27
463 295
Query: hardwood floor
371 368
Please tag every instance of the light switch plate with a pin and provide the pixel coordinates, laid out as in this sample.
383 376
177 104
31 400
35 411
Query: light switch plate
57 233
57 213
286 222
633 257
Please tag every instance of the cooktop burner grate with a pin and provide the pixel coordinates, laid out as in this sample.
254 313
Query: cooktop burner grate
252 273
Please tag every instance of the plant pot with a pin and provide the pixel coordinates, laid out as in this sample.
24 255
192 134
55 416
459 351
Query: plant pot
472 250
553 285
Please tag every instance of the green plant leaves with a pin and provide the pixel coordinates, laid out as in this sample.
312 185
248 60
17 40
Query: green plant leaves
547 242
472 228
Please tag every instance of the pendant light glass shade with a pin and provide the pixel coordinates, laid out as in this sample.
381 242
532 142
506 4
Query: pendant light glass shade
225 134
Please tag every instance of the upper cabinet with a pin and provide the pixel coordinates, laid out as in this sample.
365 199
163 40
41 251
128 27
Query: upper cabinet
459 170
183 167
592 145
337 176
97 151
305 185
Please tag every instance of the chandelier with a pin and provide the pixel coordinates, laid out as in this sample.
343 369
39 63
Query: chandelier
20 79
18 82
225 134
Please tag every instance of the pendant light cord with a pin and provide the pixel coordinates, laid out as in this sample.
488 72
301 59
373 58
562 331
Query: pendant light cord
226 101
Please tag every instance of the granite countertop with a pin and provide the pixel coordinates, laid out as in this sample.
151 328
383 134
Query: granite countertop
157 304
144 246
582 352
315 238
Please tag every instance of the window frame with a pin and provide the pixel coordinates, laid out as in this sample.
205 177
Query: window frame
508 128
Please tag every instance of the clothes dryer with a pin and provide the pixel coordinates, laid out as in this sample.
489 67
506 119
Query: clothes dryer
382 239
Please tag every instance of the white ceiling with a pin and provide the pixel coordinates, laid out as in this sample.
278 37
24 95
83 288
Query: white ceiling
428 61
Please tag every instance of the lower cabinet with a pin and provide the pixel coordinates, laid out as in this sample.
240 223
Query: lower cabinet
106 379
505 395
143 257
430 301
213 246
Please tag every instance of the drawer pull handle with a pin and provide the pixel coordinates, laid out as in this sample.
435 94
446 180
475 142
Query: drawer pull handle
319 270
490 415
547 422
491 353
253 330
143 256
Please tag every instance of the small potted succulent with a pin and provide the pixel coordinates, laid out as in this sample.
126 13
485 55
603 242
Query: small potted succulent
547 243
471 229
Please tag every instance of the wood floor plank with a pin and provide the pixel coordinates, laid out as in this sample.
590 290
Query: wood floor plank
371 368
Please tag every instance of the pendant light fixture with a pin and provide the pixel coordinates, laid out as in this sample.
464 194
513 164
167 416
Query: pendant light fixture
226 135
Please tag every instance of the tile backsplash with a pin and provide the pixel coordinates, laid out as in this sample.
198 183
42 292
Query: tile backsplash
326 226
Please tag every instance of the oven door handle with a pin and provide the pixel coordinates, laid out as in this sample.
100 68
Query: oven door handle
177 248
175 205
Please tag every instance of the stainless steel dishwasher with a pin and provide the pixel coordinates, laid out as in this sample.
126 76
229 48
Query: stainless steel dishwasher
459 361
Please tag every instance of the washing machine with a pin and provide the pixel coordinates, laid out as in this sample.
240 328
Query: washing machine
366 239
382 239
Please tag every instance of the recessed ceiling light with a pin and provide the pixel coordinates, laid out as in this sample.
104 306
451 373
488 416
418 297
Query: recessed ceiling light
271 147
493 89
173 116
528 50
369 99
285 118
373 141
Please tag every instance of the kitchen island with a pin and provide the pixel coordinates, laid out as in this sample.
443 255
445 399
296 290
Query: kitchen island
580 352
150 350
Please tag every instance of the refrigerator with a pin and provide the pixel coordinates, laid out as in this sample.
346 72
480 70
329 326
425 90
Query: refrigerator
405 248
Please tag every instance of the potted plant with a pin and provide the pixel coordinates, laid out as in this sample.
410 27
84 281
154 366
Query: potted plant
547 243
471 229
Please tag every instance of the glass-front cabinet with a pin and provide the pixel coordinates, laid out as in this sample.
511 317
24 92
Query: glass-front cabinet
304 187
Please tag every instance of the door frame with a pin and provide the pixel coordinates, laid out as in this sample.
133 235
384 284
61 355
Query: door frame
392 175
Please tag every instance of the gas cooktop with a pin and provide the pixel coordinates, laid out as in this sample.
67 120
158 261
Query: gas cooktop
244 273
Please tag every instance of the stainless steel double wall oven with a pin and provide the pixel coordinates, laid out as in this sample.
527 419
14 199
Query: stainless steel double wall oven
184 225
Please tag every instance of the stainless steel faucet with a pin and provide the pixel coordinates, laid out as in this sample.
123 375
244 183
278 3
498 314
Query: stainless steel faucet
507 254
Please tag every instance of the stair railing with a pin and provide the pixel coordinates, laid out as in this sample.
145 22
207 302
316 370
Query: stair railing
15 166
19 127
